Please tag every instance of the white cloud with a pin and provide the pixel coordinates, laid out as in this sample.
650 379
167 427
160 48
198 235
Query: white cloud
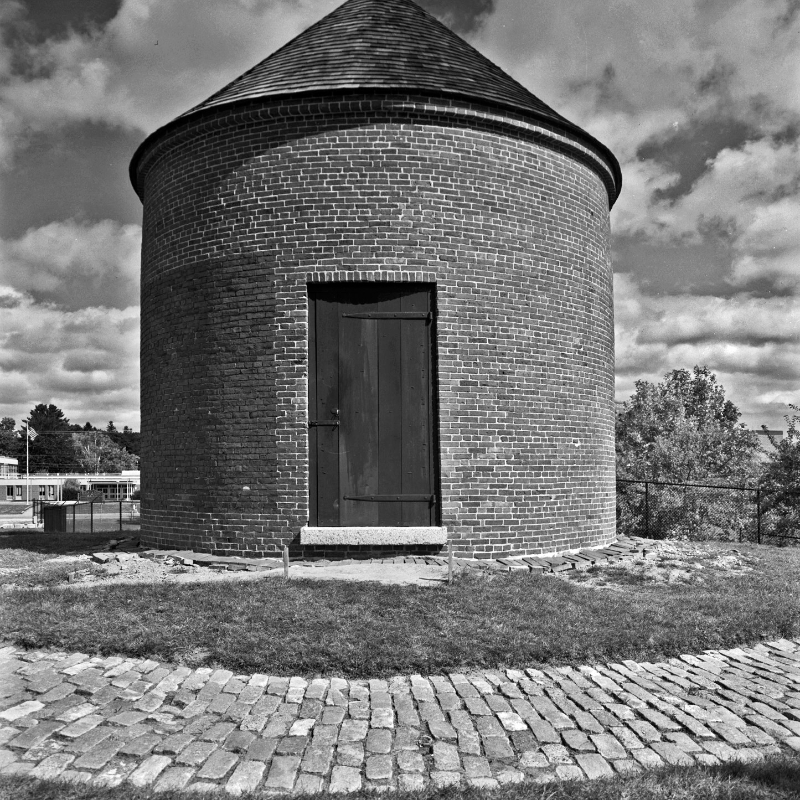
69 321
84 361
751 195
770 243
151 62
632 72
752 345
589 59
75 264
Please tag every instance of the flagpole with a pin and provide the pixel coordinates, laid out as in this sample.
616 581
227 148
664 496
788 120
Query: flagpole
27 460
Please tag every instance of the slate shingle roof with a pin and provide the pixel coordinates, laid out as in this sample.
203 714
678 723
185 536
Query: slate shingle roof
379 44
382 45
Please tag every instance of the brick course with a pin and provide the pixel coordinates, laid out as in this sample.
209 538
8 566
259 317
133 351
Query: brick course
245 205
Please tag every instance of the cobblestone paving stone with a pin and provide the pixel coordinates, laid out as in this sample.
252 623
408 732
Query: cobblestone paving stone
108 720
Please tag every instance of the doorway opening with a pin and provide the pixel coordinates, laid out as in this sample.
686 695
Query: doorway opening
373 456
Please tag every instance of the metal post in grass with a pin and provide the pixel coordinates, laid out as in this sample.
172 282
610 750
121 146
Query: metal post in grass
120 514
646 510
91 517
286 562
758 515
73 518
450 561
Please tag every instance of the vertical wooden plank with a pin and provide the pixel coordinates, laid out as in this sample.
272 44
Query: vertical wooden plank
358 392
327 404
390 428
416 409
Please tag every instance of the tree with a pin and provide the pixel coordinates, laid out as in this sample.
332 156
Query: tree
51 450
70 490
781 479
127 438
96 453
683 430
9 441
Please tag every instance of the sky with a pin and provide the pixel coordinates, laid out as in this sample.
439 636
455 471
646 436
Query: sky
698 99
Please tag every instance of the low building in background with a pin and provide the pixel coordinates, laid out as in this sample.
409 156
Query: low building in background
8 466
14 486
767 437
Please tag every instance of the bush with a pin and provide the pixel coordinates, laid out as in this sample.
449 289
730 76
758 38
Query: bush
70 490
781 482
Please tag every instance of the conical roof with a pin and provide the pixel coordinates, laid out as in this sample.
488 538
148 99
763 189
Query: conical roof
379 44
382 45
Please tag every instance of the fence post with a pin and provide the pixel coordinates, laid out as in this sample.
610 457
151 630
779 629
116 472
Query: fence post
120 515
73 518
646 510
758 515
91 517
450 561
286 562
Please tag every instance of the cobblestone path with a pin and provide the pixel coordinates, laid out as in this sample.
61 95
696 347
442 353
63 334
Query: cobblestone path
107 720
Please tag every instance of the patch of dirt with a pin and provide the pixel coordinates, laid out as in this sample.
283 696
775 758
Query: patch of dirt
670 562
675 562
130 568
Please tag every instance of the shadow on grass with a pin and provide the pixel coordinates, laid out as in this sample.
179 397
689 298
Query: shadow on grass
54 544
775 779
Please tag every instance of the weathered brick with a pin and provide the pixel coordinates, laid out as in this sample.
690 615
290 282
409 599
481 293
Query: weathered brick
506 199
196 753
245 778
345 779
282 772
350 755
317 759
218 765
379 768
594 765
52 766
35 735
379 741
149 770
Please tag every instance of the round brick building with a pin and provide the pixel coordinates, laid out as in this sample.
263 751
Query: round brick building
376 305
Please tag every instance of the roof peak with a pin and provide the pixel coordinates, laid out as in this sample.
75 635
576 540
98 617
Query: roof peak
379 44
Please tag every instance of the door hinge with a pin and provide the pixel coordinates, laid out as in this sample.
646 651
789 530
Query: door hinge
393 498
426 315
316 423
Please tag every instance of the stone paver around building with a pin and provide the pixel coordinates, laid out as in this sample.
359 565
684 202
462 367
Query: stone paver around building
108 720
126 562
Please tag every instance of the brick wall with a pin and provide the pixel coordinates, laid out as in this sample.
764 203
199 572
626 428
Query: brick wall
245 206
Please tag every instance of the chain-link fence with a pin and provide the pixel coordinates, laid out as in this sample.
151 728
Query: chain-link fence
87 516
695 511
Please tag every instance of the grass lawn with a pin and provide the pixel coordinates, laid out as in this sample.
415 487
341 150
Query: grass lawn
776 779
369 630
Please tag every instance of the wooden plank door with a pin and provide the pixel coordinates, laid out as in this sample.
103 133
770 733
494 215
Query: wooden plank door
371 405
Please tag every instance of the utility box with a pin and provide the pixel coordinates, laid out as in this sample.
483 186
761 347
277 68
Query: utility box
55 519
